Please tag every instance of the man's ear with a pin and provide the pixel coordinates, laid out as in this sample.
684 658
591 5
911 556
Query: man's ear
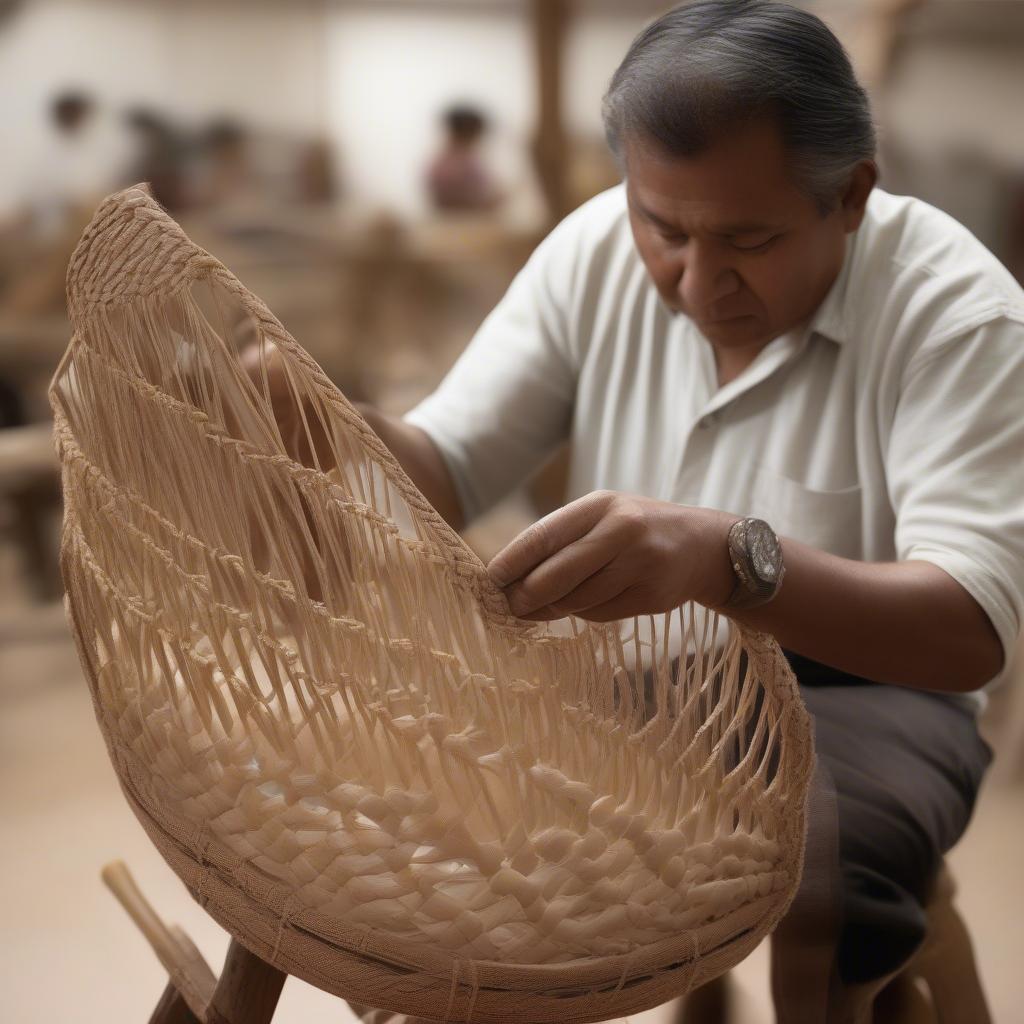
855 198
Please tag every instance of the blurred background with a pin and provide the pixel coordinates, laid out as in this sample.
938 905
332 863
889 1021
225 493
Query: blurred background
377 171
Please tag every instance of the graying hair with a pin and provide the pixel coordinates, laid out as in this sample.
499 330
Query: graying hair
711 65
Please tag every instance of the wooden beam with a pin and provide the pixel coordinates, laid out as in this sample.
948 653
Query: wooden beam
550 19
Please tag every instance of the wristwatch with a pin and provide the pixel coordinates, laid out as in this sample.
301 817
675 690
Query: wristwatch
756 558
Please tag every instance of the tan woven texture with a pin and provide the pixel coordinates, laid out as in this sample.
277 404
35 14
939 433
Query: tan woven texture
330 726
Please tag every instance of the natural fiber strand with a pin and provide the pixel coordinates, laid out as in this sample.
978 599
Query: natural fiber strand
323 714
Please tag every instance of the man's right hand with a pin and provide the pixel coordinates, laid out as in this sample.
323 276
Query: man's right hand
299 442
412 447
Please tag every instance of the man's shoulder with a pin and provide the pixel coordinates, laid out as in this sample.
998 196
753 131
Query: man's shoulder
911 256
588 257
596 227
605 211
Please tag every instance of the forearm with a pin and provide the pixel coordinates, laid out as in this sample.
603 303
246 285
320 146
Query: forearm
611 556
413 449
907 623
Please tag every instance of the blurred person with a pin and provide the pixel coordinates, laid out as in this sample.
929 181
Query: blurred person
315 172
790 397
223 173
458 178
12 405
80 159
159 156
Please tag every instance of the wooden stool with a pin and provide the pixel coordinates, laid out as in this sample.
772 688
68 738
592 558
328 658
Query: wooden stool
939 984
246 992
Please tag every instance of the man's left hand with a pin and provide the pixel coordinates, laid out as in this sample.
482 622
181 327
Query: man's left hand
611 556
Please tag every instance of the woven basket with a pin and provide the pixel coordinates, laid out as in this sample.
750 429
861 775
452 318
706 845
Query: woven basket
332 729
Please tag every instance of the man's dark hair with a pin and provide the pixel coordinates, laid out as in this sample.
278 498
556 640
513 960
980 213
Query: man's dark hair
70 109
711 65
465 122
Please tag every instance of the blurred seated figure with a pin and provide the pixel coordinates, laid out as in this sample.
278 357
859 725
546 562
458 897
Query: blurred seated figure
57 181
79 159
223 173
458 178
316 175
158 157
12 406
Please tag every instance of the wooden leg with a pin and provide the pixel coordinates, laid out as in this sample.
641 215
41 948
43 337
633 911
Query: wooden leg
903 1002
248 989
946 961
709 1004
803 946
172 1009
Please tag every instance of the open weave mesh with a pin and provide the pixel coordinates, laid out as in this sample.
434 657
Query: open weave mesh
325 717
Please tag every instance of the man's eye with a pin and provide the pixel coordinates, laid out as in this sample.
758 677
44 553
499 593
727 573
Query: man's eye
757 246
674 237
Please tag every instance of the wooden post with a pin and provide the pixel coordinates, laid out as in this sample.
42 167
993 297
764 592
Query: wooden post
550 146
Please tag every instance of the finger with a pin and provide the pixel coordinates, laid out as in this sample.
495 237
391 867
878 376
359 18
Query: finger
624 605
257 359
264 365
545 537
604 586
603 610
299 424
561 574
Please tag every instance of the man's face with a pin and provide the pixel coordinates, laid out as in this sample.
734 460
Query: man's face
730 240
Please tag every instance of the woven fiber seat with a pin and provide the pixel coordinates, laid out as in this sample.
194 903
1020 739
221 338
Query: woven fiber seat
327 721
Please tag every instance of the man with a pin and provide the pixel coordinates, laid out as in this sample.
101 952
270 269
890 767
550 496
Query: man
749 328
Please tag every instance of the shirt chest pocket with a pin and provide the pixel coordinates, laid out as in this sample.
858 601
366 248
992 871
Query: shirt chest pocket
828 520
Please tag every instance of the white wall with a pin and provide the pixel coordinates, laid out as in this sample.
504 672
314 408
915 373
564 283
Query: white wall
260 63
373 77
596 46
393 71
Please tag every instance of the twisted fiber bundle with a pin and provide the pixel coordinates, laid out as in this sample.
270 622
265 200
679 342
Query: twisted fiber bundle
326 719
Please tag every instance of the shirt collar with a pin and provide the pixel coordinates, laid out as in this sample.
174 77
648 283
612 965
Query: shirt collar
830 319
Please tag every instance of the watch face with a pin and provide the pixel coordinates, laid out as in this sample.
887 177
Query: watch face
765 553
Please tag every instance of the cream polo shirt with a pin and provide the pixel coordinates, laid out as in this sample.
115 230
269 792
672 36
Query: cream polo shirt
889 428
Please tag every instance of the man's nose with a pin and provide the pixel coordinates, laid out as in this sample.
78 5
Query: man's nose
706 279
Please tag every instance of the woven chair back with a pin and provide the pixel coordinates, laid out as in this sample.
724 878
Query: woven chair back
331 727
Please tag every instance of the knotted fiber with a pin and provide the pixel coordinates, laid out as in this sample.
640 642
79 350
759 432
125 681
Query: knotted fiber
331 727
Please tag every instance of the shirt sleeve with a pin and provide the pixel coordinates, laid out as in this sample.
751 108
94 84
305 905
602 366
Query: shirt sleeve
507 403
956 467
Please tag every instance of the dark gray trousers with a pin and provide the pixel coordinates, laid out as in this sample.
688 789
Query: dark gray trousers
906 766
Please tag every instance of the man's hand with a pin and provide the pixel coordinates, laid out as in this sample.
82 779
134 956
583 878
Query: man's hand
610 556
305 436
302 432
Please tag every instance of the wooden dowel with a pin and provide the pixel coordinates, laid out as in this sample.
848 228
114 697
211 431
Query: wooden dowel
197 966
189 972
119 881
